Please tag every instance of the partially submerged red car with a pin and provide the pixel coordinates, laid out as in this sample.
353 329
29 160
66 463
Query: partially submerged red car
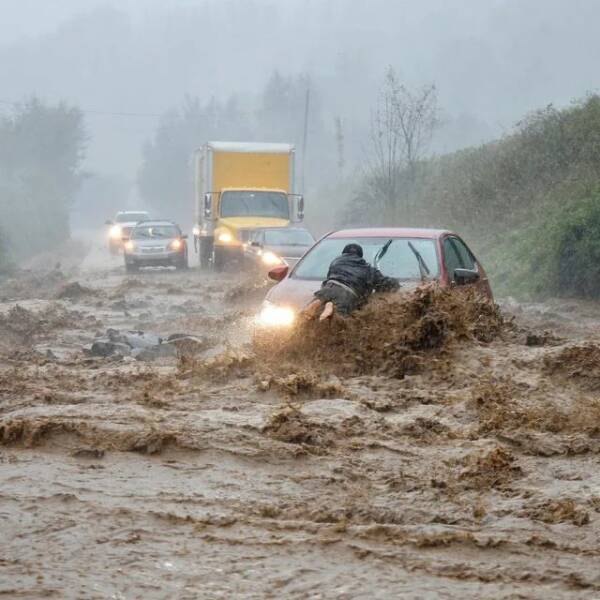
410 255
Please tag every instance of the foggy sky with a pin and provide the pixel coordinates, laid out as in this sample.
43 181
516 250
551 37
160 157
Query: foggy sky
492 60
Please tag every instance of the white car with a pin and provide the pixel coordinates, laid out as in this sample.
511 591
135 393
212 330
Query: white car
155 244
124 222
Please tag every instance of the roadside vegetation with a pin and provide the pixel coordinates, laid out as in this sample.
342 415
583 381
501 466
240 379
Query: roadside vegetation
41 151
529 203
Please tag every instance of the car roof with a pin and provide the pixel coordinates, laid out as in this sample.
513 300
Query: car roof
156 222
282 229
132 212
392 232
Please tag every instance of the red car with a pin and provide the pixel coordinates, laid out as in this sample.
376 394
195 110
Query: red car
411 255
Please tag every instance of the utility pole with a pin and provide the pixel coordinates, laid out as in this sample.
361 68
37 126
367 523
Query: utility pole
305 136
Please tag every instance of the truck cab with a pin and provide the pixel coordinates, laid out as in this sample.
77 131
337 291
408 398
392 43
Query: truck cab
241 187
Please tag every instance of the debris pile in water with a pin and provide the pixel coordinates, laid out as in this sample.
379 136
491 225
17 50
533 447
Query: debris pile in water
562 510
20 326
580 364
391 335
222 367
291 426
491 469
73 291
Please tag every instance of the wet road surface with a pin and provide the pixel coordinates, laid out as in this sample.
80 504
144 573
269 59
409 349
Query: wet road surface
214 475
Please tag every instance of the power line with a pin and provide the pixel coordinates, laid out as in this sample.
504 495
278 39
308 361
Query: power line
98 112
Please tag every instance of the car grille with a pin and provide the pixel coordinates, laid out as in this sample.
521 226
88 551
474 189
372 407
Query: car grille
246 234
125 231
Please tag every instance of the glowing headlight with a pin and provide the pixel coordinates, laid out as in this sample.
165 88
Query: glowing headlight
176 245
196 230
225 237
272 315
270 258
115 231
129 246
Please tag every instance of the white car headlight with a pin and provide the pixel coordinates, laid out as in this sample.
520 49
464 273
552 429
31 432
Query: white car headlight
225 237
270 258
273 315
115 232
196 230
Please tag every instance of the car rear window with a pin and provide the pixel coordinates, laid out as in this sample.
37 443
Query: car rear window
399 261
149 232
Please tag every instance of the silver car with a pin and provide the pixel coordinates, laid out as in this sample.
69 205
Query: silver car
155 244
125 221
272 246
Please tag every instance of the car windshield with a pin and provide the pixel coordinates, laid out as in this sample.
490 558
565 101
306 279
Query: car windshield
131 217
288 237
148 232
399 260
254 204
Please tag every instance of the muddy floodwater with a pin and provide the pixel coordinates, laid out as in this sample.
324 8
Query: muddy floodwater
202 470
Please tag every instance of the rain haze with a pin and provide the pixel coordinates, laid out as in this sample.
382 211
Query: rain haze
491 61
299 299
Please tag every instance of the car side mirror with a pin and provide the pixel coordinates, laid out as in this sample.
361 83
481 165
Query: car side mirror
465 276
256 244
297 206
208 205
184 236
109 222
278 273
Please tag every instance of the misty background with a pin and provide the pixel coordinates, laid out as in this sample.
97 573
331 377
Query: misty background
151 80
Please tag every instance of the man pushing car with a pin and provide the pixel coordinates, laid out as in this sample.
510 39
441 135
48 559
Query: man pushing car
350 281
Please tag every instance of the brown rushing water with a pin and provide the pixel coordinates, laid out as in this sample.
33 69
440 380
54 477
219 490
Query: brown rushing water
474 476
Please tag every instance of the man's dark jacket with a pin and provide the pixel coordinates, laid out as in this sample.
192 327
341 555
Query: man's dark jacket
358 274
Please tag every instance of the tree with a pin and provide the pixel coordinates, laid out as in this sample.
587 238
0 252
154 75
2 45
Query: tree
402 126
41 152
280 116
165 177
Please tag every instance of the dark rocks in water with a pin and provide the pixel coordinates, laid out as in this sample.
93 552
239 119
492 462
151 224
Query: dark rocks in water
73 291
93 453
154 352
107 348
134 339
140 345
189 345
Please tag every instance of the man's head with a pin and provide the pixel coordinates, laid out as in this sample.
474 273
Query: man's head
354 249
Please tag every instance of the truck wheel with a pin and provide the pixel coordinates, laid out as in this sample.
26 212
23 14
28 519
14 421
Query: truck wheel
219 259
206 250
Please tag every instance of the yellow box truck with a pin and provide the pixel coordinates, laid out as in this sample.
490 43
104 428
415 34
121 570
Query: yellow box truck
240 187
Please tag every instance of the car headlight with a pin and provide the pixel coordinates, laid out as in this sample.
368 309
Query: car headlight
115 232
270 258
225 237
273 315
196 230
129 246
176 245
